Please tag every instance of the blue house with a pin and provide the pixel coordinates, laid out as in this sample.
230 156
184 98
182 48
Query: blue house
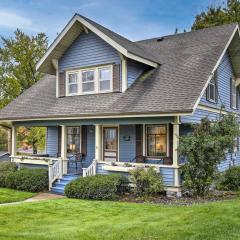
107 101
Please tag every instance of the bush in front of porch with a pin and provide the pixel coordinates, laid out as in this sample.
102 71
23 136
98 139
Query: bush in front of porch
146 181
31 180
98 187
204 149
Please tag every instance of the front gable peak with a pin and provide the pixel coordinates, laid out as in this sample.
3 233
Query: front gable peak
79 24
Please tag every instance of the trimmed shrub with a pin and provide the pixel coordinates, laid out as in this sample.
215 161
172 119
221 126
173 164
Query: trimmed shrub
31 180
8 167
98 187
5 169
146 181
230 179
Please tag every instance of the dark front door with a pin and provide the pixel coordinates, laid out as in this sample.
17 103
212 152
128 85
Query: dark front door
110 144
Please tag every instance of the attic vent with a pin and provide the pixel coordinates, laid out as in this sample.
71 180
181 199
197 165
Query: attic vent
160 39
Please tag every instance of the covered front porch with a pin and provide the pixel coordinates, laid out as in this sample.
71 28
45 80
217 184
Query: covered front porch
103 146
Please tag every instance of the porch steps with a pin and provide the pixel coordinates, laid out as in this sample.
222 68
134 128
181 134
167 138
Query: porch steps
59 186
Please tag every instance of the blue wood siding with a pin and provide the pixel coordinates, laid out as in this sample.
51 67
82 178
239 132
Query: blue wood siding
166 173
198 115
224 74
88 50
134 70
52 141
168 176
90 146
127 149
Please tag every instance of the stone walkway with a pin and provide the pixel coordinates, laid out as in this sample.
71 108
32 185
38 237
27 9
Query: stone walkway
39 197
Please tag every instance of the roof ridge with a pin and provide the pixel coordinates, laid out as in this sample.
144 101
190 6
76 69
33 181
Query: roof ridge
185 33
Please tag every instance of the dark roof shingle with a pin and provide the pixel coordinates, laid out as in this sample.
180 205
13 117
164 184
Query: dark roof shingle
187 61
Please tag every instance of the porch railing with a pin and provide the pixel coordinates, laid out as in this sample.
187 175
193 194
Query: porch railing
54 172
56 166
91 170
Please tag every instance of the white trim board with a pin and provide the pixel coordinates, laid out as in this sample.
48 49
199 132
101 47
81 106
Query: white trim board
216 66
110 41
101 117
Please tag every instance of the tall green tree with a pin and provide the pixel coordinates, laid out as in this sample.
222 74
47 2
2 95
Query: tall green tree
18 58
227 12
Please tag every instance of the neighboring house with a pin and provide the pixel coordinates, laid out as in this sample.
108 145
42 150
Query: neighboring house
118 101
4 156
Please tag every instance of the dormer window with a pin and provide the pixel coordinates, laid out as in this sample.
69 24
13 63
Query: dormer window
72 79
211 92
87 81
104 79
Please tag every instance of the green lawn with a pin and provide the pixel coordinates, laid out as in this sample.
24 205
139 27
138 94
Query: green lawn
10 195
76 219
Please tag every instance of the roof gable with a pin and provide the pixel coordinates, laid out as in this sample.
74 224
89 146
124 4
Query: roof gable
79 24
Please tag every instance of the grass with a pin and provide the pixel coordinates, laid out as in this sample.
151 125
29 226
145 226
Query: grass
10 195
78 219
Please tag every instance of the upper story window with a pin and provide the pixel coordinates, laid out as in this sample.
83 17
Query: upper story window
233 93
156 136
211 92
104 79
86 81
72 83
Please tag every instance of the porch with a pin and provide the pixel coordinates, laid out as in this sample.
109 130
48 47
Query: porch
85 148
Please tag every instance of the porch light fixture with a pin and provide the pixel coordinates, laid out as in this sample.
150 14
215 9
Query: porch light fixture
72 147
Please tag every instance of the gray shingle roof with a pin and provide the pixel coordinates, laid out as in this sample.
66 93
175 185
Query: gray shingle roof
132 47
187 61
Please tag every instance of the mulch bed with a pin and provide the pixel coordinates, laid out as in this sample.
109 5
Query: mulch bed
179 201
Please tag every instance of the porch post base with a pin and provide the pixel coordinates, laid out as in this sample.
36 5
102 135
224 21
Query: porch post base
174 191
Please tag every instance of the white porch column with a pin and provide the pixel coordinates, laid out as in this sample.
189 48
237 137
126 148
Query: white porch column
9 131
64 148
175 150
98 142
14 141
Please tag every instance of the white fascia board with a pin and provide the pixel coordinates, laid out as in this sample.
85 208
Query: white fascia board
216 66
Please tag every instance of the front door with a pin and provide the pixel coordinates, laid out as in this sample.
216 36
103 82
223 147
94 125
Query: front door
110 144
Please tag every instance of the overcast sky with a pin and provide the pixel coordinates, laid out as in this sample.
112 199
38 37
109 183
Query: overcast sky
135 19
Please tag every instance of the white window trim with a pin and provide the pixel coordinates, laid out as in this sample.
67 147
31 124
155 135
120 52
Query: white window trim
111 79
67 83
145 141
96 80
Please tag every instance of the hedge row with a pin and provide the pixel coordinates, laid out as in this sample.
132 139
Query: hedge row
31 180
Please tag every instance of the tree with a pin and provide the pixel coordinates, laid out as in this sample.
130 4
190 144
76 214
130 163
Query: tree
225 13
34 137
204 149
18 58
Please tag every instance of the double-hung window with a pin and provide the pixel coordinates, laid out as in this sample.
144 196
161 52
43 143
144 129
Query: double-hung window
104 79
156 136
88 81
92 80
212 89
233 93
73 84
